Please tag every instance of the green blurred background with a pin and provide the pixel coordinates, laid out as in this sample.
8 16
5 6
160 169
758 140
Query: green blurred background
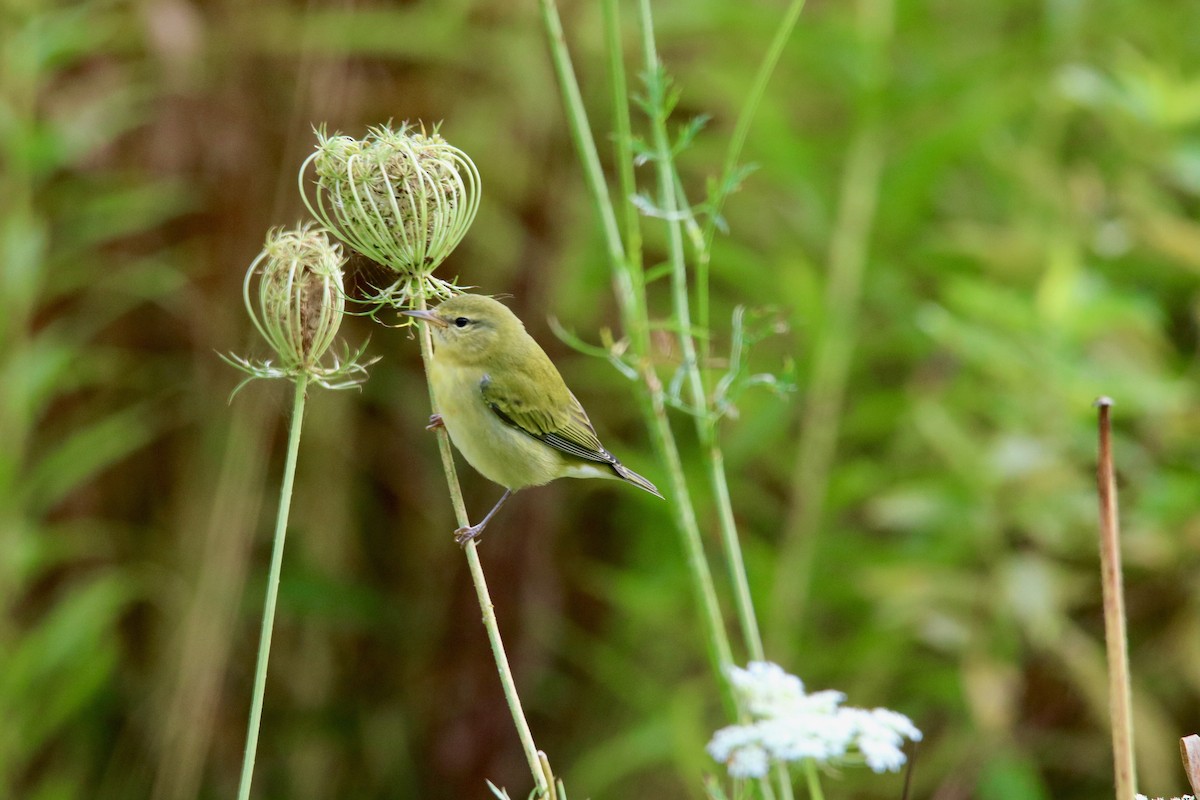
972 230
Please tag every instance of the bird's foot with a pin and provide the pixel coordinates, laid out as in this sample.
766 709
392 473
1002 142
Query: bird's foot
435 422
469 533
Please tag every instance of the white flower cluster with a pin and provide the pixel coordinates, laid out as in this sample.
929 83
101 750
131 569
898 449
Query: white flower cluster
789 725
1185 797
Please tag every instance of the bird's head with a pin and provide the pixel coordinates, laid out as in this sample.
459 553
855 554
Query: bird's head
472 328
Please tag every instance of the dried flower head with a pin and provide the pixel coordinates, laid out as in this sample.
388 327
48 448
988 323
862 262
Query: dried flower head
298 308
789 725
404 198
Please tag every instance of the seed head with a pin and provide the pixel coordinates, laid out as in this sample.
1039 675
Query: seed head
298 308
404 198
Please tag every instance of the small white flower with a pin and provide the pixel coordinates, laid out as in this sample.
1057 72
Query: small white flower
725 741
789 726
765 686
749 762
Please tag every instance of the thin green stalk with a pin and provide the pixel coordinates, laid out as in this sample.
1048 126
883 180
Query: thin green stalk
812 780
705 424
268 622
821 422
733 155
623 138
733 550
477 577
627 266
670 209
685 521
581 132
705 429
634 317
741 130
834 354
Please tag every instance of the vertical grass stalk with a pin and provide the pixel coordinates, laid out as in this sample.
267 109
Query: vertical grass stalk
627 260
268 620
733 155
848 253
1116 640
680 306
635 320
478 579
681 317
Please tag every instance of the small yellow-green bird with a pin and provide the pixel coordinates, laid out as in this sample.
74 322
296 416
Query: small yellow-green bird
506 407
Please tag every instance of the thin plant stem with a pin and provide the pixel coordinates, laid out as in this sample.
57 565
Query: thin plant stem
581 134
834 352
812 780
832 359
1116 640
268 620
477 578
684 513
623 136
733 154
705 427
635 319
704 418
628 281
732 548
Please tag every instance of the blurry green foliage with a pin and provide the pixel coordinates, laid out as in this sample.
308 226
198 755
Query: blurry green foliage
1034 243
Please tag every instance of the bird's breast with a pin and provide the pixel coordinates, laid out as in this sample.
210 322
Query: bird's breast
497 450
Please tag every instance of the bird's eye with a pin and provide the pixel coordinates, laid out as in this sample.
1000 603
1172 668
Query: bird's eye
462 322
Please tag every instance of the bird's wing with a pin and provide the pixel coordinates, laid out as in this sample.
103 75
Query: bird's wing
553 416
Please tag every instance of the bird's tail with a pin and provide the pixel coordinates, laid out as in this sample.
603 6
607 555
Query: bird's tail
630 476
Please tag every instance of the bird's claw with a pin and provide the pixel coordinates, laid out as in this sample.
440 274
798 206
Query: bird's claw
464 535
435 422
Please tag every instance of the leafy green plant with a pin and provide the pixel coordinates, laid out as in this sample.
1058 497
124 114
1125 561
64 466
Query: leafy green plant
75 402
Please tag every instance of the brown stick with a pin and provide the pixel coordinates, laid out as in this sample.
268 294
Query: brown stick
1120 705
1189 749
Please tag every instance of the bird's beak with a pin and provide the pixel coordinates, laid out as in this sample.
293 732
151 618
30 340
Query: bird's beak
428 316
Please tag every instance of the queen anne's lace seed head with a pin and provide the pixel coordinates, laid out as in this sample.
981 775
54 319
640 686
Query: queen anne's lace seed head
788 726
404 198
294 295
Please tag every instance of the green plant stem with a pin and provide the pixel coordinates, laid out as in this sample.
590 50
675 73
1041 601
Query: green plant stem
268 621
702 414
821 422
812 780
705 424
477 578
623 137
581 132
733 154
684 513
732 546
635 318
834 354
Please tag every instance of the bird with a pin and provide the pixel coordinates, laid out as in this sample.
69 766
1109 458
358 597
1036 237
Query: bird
505 405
